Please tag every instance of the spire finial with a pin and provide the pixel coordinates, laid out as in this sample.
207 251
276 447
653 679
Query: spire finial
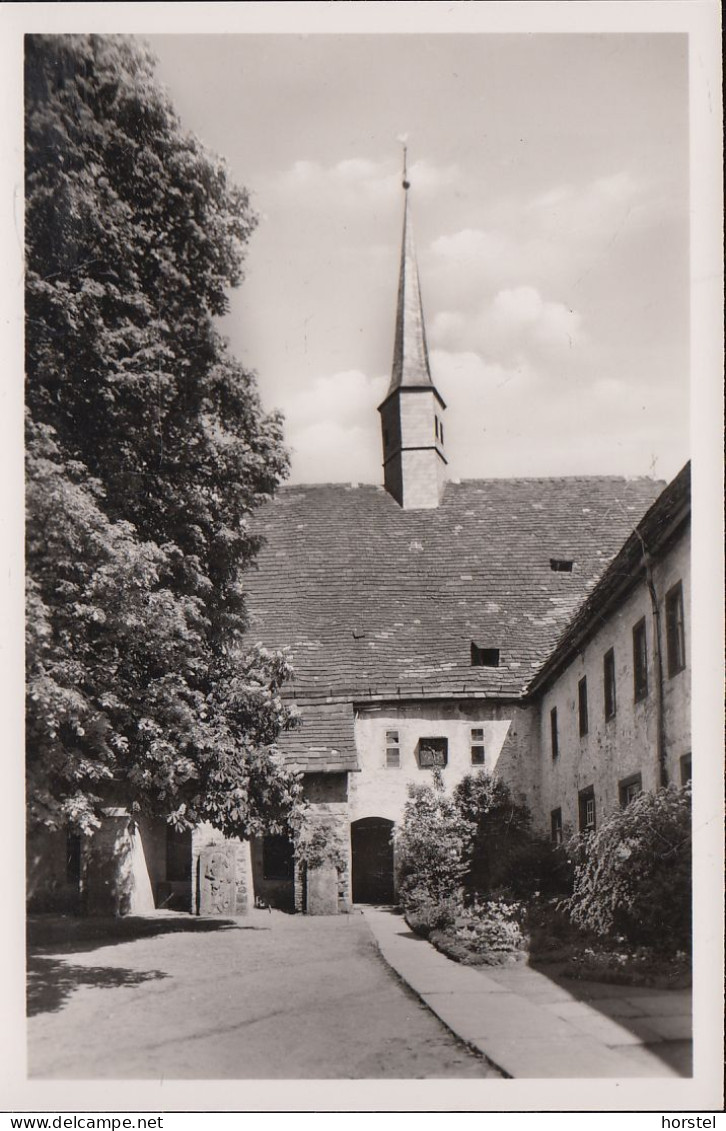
406 182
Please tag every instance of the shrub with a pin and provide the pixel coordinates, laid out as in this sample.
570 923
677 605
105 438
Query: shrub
504 852
425 914
430 845
633 876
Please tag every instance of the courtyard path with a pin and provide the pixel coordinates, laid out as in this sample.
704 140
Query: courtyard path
260 997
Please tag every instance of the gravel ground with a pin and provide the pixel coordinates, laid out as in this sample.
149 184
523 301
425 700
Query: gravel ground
260 997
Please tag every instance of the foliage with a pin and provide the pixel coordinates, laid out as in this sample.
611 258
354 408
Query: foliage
430 844
487 933
633 876
318 842
426 913
147 450
504 852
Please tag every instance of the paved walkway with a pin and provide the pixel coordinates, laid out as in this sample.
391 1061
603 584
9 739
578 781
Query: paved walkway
530 1026
262 996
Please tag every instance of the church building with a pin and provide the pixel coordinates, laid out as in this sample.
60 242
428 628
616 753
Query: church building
534 628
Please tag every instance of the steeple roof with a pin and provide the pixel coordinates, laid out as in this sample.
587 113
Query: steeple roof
410 355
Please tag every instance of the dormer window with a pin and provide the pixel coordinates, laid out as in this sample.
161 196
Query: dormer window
561 565
484 657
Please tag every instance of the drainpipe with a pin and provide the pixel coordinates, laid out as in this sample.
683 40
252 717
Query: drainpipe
658 656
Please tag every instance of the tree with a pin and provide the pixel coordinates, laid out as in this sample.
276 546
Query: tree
147 451
431 844
505 852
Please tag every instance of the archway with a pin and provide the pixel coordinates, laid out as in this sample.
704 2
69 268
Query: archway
372 859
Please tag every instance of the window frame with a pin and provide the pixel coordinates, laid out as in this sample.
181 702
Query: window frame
583 721
556 829
585 798
554 734
640 661
610 690
476 736
675 629
393 750
625 786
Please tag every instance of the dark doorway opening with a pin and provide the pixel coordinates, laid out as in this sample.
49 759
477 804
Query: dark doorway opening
372 852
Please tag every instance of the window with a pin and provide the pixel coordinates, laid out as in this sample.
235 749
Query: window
441 432
640 661
686 769
582 705
436 426
278 860
630 788
608 673
561 565
178 854
393 750
433 752
556 826
484 657
675 635
586 806
477 746
554 734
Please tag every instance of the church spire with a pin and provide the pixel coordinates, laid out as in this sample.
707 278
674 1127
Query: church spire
412 413
410 354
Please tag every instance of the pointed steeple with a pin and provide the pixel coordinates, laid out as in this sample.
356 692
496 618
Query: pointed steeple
414 463
410 355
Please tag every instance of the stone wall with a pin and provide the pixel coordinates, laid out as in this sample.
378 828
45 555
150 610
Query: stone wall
625 745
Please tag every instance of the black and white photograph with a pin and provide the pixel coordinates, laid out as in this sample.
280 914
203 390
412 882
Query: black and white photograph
368 368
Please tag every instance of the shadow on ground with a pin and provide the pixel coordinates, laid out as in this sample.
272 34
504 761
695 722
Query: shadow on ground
52 981
73 935
619 1003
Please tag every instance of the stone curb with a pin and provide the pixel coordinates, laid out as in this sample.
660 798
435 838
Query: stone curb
515 1032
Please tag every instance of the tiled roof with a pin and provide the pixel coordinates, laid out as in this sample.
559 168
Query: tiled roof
373 600
324 742
661 523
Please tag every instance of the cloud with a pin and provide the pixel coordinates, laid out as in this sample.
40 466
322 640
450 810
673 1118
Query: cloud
333 428
517 324
357 181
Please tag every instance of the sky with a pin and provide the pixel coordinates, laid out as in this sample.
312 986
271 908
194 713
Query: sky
550 206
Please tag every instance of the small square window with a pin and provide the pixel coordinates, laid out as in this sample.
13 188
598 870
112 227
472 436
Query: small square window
675 632
556 826
477 746
484 657
640 661
433 753
608 665
582 705
554 733
586 807
629 788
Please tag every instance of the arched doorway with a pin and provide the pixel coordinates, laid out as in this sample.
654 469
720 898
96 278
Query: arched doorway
372 857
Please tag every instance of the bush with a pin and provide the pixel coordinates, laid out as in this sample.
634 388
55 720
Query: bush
425 914
430 846
504 852
633 876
